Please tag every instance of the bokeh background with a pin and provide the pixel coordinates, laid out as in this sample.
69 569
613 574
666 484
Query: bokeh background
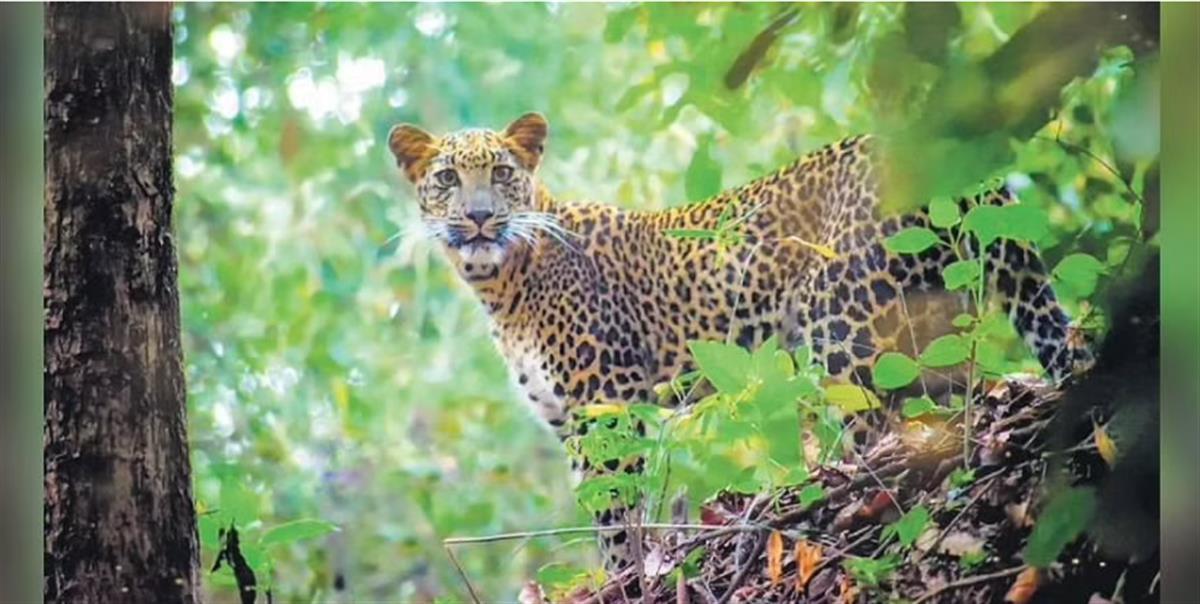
337 371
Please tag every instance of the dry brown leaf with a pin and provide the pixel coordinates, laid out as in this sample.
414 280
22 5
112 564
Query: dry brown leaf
1018 514
1105 445
1024 587
808 556
881 502
656 564
848 591
961 543
775 557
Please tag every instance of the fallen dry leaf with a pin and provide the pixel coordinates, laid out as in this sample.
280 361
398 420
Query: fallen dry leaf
775 557
848 591
808 556
881 502
1024 587
656 564
1105 445
960 543
1018 514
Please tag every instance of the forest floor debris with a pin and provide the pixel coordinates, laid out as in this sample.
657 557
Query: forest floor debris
903 522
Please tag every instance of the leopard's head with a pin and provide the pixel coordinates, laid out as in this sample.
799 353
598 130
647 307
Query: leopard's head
477 188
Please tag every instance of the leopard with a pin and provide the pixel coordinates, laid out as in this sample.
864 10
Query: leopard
593 304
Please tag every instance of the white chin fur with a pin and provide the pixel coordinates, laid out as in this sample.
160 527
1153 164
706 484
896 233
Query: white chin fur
486 253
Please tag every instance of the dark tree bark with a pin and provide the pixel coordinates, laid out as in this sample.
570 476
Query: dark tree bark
119 516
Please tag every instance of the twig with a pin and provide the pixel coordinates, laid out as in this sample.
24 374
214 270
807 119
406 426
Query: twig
462 573
571 530
760 541
983 489
969 581
639 555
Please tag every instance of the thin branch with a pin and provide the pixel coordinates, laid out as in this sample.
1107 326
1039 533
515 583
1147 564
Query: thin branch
760 541
462 573
983 489
969 581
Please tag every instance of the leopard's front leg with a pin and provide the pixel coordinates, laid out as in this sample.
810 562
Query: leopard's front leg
610 483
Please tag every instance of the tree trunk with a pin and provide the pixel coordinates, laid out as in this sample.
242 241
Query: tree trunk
119 516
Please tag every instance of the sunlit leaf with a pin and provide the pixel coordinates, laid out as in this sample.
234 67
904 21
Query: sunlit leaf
894 370
1105 445
851 398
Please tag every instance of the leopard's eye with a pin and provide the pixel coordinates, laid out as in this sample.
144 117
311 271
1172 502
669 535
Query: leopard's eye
502 173
446 178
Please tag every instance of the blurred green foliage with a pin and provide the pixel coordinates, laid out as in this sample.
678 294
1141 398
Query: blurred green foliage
338 372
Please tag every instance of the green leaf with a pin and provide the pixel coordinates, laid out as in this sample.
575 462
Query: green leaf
911 240
727 366
970 560
943 212
909 526
556 575
1022 222
811 494
804 357
962 321
851 398
690 567
764 357
916 407
986 222
894 370
946 351
238 503
296 530
209 527
961 273
1078 274
870 572
619 23
1064 518
703 177
1025 222
960 478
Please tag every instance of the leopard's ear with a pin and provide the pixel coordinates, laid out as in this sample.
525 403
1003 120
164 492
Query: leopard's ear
413 148
527 138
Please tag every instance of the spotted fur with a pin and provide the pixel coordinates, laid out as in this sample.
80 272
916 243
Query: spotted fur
594 304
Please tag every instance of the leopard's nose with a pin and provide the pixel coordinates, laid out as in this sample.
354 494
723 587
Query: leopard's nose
479 217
